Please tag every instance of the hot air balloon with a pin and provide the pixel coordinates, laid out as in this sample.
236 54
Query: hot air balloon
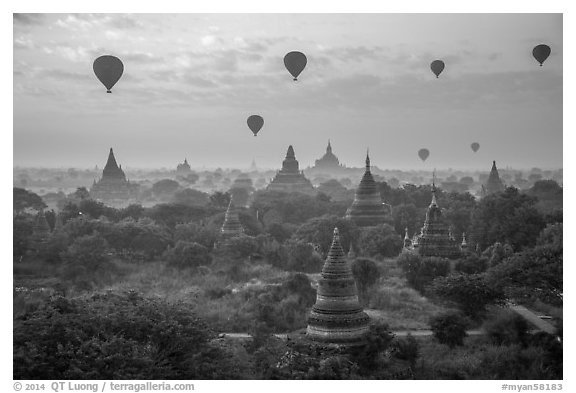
295 63
255 123
437 66
108 70
475 146
423 154
541 53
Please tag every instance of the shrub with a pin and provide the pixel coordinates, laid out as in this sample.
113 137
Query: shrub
406 348
380 242
472 264
187 255
366 274
419 271
506 327
469 291
449 328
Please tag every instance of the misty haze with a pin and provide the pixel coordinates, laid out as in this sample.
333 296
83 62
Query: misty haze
288 196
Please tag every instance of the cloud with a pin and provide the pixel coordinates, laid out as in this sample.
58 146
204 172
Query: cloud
74 54
28 19
23 42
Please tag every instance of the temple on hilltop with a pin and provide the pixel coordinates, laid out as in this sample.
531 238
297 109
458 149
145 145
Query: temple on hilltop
493 184
290 178
184 168
435 239
337 317
113 185
367 209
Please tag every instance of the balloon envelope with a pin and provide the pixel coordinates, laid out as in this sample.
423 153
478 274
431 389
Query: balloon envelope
295 63
255 123
541 53
423 154
475 146
437 66
108 70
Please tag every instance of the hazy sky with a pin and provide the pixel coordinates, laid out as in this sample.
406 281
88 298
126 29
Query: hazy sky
191 80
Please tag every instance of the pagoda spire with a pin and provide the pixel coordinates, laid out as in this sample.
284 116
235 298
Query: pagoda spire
337 316
433 202
329 147
368 160
464 244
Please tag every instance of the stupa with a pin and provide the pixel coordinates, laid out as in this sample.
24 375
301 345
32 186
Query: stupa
367 209
184 168
113 185
435 239
493 184
290 178
328 163
337 317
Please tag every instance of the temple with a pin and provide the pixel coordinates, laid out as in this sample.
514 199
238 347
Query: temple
113 185
290 178
184 168
367 209
494 184
435 239
337 317
328 163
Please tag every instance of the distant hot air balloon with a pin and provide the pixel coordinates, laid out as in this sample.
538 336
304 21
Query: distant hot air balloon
475 146
423 154
295 63
541 53
255 123
108 70
437 66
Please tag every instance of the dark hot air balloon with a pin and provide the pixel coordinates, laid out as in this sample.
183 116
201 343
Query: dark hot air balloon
255 123
541 53
437 66
295 63
108 70
475 146
423 154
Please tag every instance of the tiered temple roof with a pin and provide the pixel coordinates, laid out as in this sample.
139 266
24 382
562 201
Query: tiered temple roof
337 316
435 237
113 184
290 178
494 184
367 208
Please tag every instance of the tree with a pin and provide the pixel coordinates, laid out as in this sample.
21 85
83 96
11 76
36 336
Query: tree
187 255
506 327
470 292
165 187
449 328
220 199
471 264
380 241
86 256
190 197
508 217
320 231
24 199
366 274
530 275
302 258
420 272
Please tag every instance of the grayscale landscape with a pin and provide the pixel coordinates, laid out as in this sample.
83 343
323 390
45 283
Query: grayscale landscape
288 196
